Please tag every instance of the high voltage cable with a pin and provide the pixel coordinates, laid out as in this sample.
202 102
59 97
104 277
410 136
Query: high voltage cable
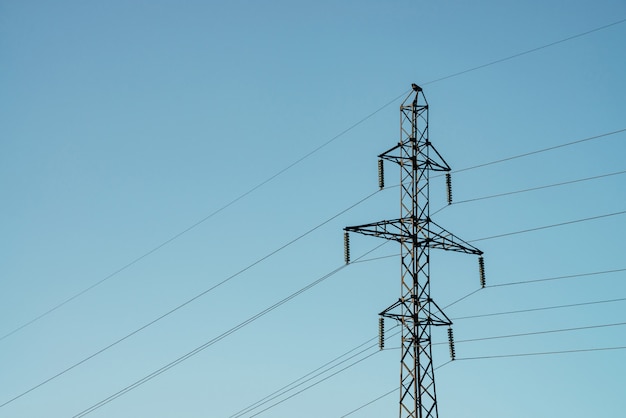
298 161
498 61
300 381
531 189
253 406
262 313
544 308
371 402
473 340
467 358
188 301
545 353
316 383
541 150
537 187
570 276
386 394
277 394
527 334
280 392
321 380
214 340
550 226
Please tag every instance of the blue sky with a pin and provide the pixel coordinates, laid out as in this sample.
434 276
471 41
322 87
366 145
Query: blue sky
125 123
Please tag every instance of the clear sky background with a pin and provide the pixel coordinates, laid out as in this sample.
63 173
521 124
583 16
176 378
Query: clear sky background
125 124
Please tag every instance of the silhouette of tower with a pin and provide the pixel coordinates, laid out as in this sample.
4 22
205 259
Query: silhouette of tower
415 310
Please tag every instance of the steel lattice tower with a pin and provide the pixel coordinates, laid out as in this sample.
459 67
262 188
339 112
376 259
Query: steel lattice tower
415 310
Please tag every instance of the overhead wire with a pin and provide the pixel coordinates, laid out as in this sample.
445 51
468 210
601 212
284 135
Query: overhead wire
526 154
336 362
215 339
569 276
291 386
532 189
253 406
386 394
323 379
544 353
315 384
196 224
188 301
529 51
585 350
539 228
528 334
301 159
544 308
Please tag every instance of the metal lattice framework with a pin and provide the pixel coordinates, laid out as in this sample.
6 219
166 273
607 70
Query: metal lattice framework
415 310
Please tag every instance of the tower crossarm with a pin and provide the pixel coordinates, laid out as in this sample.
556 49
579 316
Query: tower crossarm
428 312
422 161
395 229
428 234
445 240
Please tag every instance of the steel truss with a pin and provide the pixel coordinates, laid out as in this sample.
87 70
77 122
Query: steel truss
416 311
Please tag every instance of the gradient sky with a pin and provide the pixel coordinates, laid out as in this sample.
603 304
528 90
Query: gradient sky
156 149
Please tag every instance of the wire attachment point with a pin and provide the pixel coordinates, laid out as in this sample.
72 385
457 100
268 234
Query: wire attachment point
381 174
346 247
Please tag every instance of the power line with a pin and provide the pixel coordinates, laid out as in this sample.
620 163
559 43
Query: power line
188 301
531 189
214 340
540 309
528 51
322 380
302 380
527 334
294 384
525 155
285 389
541 150
569 276
545 353
315 384
306 156
258 403
371 402
386 394
550 226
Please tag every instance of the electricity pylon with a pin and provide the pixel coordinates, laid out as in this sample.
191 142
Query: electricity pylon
415 310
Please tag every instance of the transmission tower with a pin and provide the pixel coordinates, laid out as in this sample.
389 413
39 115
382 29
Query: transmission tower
415 310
